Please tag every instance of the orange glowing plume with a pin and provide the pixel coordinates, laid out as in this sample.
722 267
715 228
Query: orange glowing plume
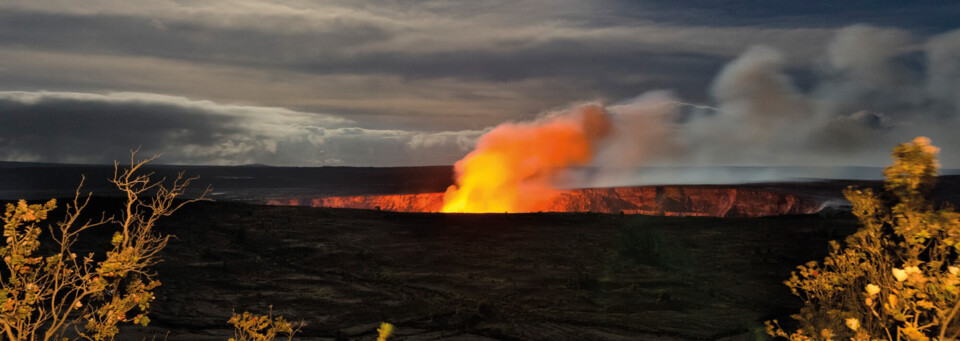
512 166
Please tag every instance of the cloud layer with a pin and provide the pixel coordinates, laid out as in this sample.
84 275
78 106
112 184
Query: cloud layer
876 87
360 82
94 128
873 87
434 65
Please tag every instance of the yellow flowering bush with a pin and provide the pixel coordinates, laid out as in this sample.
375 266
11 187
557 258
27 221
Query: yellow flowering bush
41 296
897 277
253 327
384 331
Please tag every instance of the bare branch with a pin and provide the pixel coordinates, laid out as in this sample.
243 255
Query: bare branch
63 287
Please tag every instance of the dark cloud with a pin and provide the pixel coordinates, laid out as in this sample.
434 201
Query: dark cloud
326 50
929 16
605 70
864 99
241 56
93 128
414 82
346 56
179 39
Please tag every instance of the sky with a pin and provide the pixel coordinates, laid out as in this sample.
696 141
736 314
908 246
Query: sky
407 82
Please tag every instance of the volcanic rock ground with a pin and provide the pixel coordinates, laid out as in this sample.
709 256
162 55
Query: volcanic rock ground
700 201
555 276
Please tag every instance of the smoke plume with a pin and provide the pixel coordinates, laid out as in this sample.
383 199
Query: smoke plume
873 88
513 166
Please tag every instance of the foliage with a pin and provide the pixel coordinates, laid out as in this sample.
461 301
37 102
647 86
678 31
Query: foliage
384 331
44 295
897 277
251 327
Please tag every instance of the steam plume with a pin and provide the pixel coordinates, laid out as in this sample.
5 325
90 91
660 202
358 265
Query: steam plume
513 165
874 87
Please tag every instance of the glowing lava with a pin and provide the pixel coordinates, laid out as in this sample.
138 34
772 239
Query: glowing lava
512 166
710 201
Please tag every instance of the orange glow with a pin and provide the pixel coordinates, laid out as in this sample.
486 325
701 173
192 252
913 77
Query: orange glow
513 165
710 201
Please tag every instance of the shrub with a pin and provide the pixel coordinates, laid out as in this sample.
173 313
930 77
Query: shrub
384 332
251 327
44 295
897 277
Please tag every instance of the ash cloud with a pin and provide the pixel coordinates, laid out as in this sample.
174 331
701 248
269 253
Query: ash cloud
943 65
874 87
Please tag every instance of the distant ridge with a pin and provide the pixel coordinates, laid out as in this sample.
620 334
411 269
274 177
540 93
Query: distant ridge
792 169
257 183
19 164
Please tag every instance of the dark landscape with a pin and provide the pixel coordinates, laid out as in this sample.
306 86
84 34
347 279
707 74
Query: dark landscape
532 276
560 276
480 170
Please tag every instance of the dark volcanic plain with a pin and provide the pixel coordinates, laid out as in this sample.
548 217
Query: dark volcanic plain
557 276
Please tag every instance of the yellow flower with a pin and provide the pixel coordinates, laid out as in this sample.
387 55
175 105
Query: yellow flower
953 270
853 323
913 334
872 289
900 274
385 330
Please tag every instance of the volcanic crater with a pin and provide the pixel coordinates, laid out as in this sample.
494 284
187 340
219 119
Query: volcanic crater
708 201
559 276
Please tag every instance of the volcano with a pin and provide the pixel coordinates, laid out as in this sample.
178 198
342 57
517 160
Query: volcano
708 201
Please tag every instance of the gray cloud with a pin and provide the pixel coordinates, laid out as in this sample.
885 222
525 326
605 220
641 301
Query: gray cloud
98 128
755 101
924 15
428 65
864 101
869 68
944 69
378 101
516 41
415 82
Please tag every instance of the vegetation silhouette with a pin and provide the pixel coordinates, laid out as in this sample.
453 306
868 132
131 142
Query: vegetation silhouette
42 296
253 327
49 293
897 277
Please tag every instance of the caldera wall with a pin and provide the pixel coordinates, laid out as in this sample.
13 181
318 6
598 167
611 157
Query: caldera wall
709 201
